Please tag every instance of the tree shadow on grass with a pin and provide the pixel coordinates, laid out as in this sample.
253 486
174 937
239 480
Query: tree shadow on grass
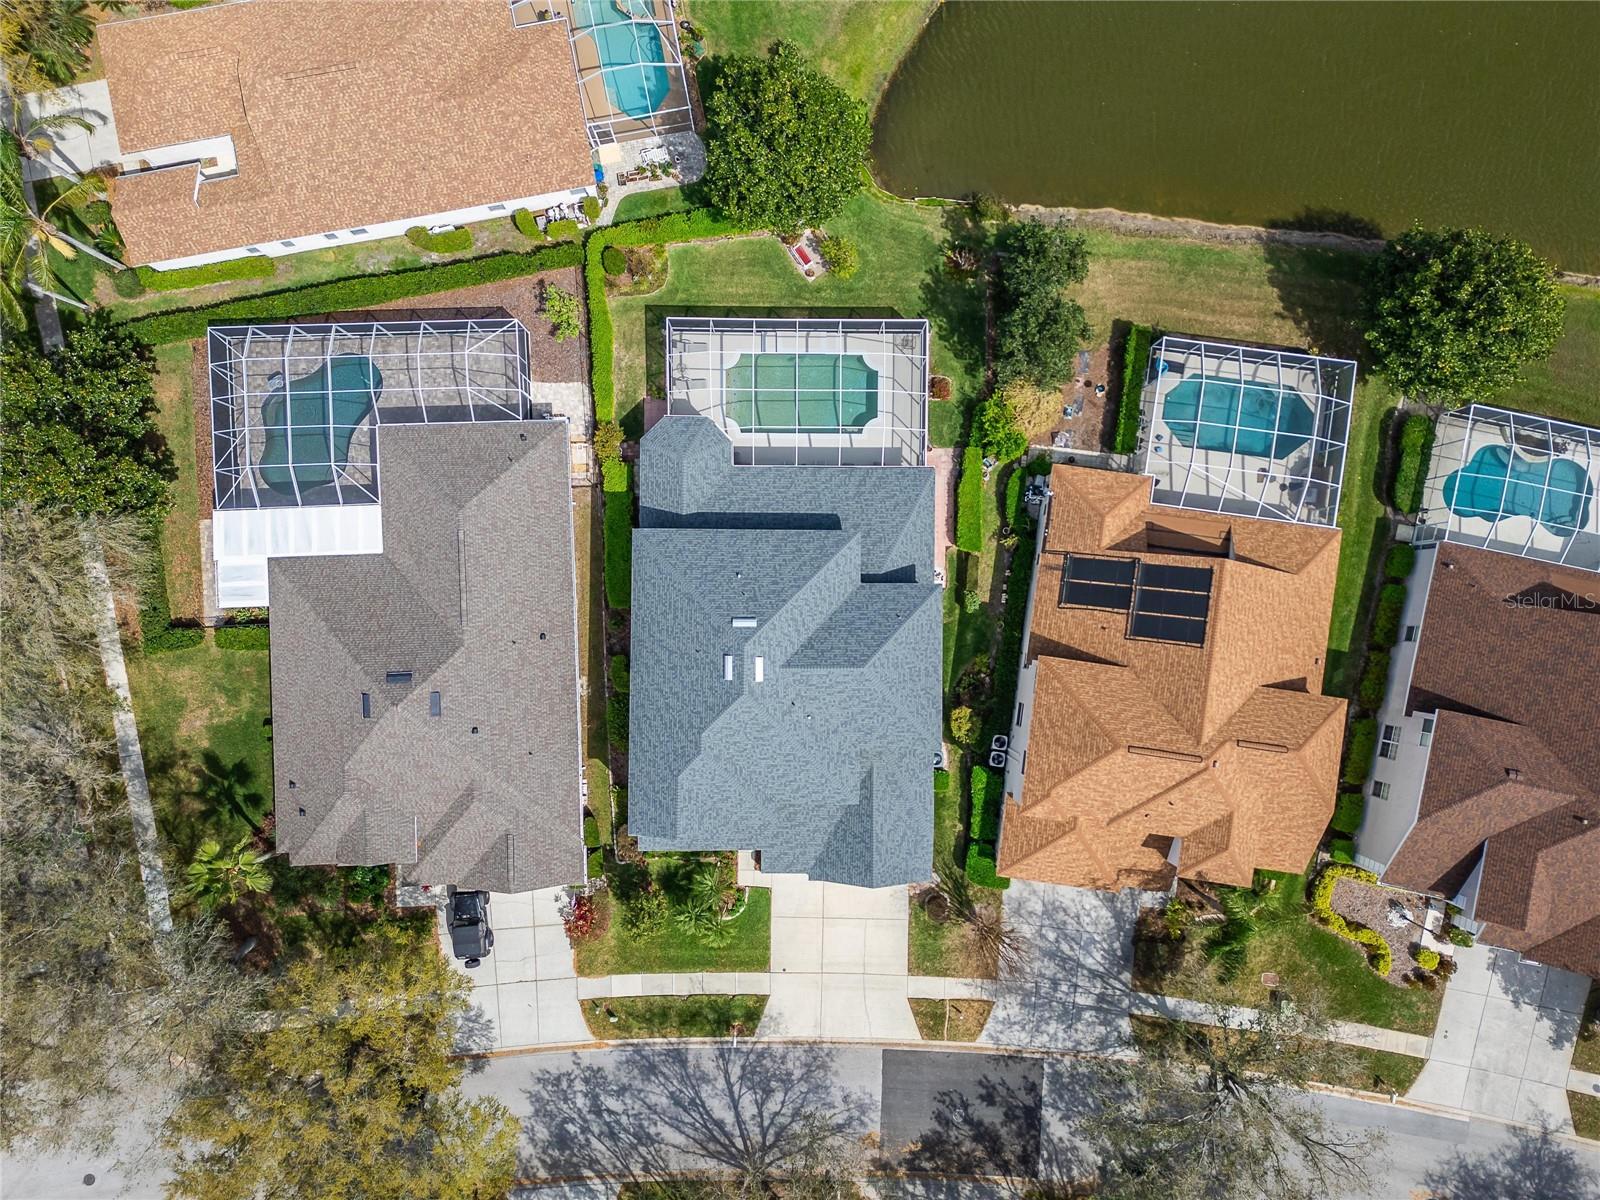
953 296
1319 289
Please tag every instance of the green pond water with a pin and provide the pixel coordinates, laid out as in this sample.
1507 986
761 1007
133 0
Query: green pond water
1448 113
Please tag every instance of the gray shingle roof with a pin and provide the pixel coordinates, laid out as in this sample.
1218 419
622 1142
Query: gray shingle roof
826 765
473 595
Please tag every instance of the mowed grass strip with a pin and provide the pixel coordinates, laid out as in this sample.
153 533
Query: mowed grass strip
951 1020
180 535
623 1017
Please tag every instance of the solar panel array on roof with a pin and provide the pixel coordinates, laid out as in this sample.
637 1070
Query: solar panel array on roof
1088 581
1170 604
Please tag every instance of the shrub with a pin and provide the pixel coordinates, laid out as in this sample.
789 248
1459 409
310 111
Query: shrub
256 266
451 241
1359 749
617 721
621 680
672 227
591 207
562 231
607 440
1343 850
527 224
987 786
1386 621
1427 959
591 831
127 284
939 387
613 261
364 885
969 501
996 428
1411 473
988 209
981 868
1135 359
1348 811
963 726
1402 558
841 255
646 912
357 292
596 862
561 307
157 633
242 637
1458 936
1374 680
616 488
1008 658
1379 957
1015 515
583 918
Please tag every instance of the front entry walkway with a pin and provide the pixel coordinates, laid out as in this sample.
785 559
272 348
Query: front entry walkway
1504 1043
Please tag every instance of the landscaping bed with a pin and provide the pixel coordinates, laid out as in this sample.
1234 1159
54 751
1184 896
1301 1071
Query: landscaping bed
951 1020
624 1017
1369 905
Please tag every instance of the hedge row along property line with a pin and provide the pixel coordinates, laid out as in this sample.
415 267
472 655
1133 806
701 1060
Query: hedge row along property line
1411 472
361 291
969 501
1379 956
616 487
694 225
1135 356
988 788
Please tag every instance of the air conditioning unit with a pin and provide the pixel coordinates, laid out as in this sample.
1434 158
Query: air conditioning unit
998 760
1000 742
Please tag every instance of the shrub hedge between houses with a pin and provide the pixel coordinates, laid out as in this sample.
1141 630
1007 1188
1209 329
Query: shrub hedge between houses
986 797
1386 621
981 868
616 488
969 501
1348 811
1416 444
1359 749
1135 357
527 224
1402 557
1374 681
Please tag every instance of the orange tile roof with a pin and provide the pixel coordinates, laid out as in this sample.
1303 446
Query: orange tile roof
342 115
1227 745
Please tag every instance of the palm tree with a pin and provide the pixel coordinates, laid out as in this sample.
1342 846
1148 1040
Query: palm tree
703 921
218 877
27 237
47 39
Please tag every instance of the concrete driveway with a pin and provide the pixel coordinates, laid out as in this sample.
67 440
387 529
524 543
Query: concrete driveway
1505 1037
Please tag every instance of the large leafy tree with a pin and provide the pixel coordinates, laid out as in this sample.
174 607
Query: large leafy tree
1452 315
77 429
1219 1112
785 145
1038 330
350 1093
93 1003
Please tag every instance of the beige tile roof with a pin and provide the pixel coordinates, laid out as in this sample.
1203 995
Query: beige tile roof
342 114
1133 743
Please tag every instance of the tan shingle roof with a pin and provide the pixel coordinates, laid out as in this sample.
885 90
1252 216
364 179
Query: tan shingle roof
342 115
1515 763
1133 743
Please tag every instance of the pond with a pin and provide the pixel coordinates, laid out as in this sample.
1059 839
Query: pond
1349 115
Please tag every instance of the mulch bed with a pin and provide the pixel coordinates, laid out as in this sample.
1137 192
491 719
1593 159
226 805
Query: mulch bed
1368 904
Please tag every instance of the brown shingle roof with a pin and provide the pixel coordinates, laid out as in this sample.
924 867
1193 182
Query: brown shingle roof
342 115
1510 659
1134 743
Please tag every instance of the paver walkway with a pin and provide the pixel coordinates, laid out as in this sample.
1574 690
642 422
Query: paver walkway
526 992
1503 1045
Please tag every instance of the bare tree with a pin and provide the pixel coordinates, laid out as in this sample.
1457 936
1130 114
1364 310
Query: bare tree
993 939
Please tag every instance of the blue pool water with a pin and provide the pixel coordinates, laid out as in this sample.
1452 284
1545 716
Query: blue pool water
625 49
1234 417
1496 481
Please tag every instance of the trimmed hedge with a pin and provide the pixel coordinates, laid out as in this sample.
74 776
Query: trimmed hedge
562 231
617 721
1348 811
688 226
356 292
242 637
451 241
591 207
597 863
256 266
621 678
1015 514
157 633
1358 751
1402 558
1386 622
1342 850
1379 957
969 501
591 831
613 261
1135 358
987 789
616 486
981 868
1374 681
527 224
1416 444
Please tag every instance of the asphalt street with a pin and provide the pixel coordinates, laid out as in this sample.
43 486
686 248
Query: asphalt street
653 1108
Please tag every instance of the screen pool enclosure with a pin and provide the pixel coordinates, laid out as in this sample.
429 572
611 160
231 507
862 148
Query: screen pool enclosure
297 409
1514 482
1258 431
827 391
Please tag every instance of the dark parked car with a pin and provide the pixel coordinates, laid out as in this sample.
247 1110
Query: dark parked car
470 936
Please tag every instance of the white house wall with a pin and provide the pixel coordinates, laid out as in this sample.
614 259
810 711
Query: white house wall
1387 822
386 229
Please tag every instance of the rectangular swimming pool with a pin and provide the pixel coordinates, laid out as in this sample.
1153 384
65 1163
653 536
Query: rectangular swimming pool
776 393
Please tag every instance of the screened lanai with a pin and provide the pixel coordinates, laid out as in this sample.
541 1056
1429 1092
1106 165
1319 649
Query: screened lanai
1255 430
1514 482
822 392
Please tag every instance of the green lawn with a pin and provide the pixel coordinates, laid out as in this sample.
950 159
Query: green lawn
859 45
640 205
1567 384
1586 1057
624 1017
619 952
1585 1114
951 1020
180 534
901 275
1310 960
